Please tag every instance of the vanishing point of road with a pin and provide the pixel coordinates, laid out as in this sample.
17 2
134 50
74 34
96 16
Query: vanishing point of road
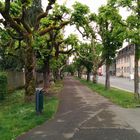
83 115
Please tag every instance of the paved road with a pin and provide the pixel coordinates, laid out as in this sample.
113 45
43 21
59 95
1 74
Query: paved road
122 83
83 115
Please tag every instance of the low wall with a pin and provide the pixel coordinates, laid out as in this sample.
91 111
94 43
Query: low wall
17 79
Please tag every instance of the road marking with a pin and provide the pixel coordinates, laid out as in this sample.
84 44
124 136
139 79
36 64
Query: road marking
66 113
91 116
60 121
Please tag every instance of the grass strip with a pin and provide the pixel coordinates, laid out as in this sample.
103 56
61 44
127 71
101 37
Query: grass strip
17 117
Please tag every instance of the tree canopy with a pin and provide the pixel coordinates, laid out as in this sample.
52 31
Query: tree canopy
36 37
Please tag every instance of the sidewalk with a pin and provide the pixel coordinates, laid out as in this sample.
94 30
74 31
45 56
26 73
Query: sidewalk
84 115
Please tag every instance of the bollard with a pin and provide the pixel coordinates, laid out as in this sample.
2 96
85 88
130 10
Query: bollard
39 101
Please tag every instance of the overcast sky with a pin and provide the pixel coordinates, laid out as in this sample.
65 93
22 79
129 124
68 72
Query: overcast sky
93 5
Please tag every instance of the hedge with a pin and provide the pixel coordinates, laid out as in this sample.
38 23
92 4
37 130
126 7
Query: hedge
3 85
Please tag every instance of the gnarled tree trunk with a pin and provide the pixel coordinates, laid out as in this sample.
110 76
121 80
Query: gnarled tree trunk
57 75
46 74
79 73
29 72
95 74
94 80
88 75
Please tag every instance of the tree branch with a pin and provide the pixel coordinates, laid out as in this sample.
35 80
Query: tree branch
1 7
67 52
23 19
10 22
53 27
25 25
14 36
84 58
101 63
59 43
80 31
44 14
7 6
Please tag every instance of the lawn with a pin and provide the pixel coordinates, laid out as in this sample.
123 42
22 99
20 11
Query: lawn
120 97
17 117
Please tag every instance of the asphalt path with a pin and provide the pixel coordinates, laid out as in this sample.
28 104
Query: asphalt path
83 115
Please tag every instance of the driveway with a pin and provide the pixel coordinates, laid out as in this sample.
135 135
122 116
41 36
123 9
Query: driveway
83 115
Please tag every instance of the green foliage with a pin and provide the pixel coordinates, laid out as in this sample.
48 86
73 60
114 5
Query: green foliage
34 9
59 11
132 22
15 8
78 64
89 56
125 2
133 32
1 6
58 63
65 10
86 56
111 30
93 17
86 24
123 98
71 40
45 22
70 69
78 16
11 54
3 85
18 117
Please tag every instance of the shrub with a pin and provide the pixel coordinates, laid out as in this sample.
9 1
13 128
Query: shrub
3 85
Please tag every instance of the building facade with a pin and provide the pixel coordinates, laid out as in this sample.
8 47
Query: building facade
112 70
125 62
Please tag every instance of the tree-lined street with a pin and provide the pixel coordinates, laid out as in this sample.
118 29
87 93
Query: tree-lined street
39 38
